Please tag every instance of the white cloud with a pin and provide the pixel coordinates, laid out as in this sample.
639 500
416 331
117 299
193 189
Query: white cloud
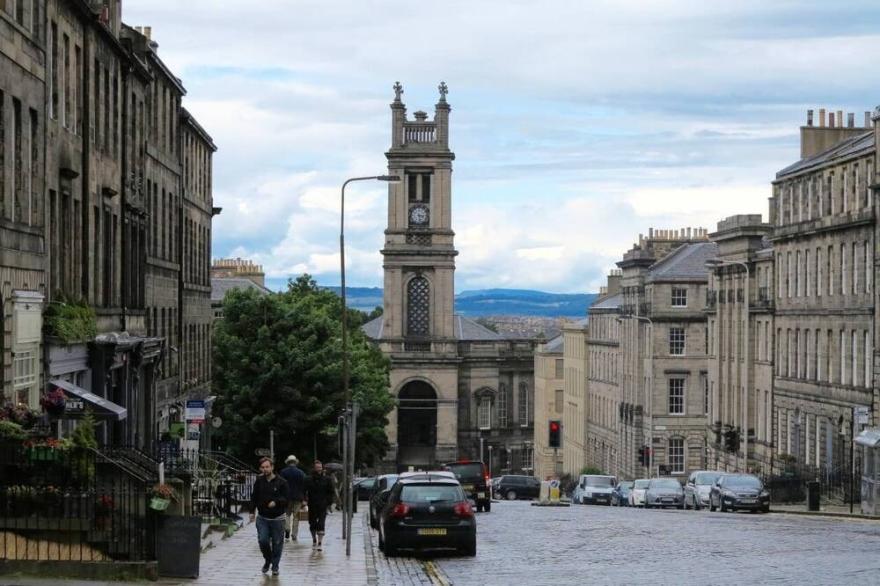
577 124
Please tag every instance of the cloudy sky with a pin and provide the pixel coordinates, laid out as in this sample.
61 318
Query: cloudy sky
577 124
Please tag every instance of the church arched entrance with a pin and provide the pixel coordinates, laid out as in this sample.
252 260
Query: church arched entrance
416 426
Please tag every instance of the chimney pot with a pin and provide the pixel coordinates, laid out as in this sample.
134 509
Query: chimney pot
867 119
809 117
851 119
821 117
830 119
840 118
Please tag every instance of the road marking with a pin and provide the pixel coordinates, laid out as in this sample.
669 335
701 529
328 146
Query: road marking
435 574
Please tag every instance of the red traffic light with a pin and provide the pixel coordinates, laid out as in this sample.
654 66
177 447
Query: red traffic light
554 426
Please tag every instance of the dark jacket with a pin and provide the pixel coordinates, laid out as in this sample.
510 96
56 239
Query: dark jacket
319 491
266 491
296 482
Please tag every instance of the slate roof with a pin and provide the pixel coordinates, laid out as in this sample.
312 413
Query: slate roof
855 145
466 330
612 302
686 263
221 285
555 346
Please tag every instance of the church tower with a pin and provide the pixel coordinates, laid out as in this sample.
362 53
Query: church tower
418 325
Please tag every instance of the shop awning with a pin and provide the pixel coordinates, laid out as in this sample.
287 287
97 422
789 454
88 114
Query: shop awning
869 437
104 408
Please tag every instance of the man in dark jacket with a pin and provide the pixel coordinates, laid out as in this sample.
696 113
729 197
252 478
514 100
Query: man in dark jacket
269 503
296 480
319 495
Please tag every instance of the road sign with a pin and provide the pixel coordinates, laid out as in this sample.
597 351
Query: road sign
860 414
262 452
195 411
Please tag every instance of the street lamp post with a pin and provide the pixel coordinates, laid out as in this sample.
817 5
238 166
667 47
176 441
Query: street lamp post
350 440
649 390
712 264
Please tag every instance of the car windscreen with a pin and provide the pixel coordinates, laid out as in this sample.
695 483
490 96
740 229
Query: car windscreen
467 472
388 481
742 482
600 481
430 493
668 483
641 483
706 478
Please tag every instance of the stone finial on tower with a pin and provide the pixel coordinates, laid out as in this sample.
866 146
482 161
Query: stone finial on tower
398 116
444 89
398 90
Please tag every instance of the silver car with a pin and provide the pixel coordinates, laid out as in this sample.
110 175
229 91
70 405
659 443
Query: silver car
698 487
664 492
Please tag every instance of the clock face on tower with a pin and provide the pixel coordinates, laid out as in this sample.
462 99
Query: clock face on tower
418 215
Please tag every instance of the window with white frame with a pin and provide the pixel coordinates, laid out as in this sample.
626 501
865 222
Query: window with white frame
527 455
484 413
523 404
679 297
675 455
25 376
676 341
501 406
676 396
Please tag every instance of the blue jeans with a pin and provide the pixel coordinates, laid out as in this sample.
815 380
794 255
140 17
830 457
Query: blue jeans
270 535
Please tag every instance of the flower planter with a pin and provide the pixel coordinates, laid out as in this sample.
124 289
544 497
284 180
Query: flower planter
42 454
159 504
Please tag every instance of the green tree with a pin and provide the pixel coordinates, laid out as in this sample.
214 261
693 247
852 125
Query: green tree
278 365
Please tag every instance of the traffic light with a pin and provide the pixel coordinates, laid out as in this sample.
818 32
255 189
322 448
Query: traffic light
555 435
644 455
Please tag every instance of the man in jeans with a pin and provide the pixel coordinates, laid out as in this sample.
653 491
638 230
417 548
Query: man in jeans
269 504
296 480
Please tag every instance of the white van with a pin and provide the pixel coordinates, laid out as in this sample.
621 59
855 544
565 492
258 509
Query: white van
594 489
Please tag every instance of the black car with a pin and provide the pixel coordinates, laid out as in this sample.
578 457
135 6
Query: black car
620 494
513 487
379 496
739 491
474 478
427 512
364 487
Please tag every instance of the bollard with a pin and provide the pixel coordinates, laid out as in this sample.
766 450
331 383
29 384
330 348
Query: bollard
813 495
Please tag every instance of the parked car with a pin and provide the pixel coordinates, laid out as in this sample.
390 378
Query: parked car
739 491
473 476
427 512
594 489
364 487
379 496
513 487
620 494
664 492
698 487
637 493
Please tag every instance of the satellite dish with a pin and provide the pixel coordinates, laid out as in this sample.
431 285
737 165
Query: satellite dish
216 422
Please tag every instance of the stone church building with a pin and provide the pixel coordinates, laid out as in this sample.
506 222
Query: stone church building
458 384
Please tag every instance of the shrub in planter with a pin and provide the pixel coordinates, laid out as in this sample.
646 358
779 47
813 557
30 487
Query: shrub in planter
161 496
70 321
11 431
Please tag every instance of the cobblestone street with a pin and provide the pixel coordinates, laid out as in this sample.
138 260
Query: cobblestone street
521 544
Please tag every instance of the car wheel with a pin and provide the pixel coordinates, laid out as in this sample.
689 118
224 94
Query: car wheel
711 505
722 506
487 507
511 495
766 509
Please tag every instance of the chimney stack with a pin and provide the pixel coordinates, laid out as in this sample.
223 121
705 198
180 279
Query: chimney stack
851 119
840 118
867 120
809 117
821 117
830 119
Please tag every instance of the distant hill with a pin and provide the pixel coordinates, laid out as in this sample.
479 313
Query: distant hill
483 302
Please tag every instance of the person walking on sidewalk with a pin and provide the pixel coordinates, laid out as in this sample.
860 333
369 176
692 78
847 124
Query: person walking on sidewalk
269 504
319 495
296 480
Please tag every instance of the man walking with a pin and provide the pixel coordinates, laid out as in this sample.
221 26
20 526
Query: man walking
319 495
269 503
296 480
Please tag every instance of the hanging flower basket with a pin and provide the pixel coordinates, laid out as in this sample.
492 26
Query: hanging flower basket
159 504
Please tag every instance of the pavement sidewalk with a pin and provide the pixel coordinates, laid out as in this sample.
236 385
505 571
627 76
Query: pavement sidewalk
840 511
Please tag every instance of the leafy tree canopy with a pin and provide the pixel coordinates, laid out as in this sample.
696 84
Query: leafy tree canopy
278 365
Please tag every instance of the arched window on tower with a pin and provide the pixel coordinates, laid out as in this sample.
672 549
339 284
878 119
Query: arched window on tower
418 307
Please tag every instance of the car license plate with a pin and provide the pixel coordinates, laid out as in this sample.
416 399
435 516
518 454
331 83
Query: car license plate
437 531
481 495
748 501
467 487
667 500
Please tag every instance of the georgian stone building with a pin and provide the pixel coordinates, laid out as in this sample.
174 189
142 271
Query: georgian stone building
115 174
663 352
740 338
458 384
575 372
549 405
824 217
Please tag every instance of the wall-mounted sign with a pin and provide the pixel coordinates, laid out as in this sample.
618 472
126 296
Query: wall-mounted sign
195 411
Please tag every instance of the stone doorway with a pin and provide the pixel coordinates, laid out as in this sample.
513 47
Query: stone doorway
416 426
